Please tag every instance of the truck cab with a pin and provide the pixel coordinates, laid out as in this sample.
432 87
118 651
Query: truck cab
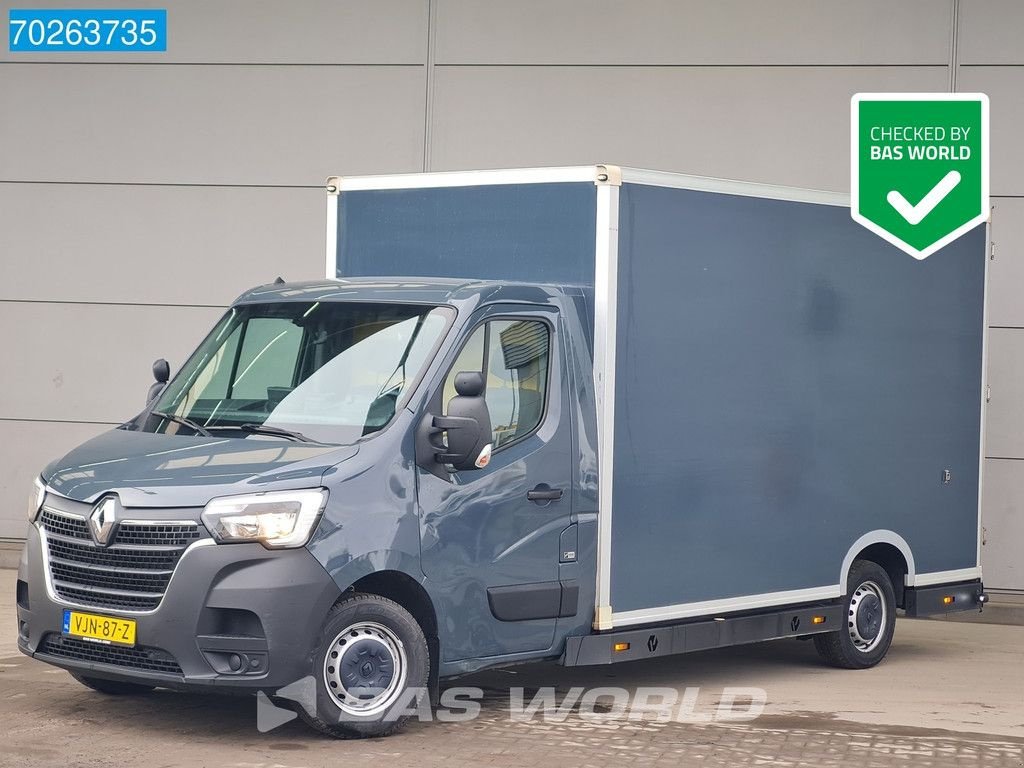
298 457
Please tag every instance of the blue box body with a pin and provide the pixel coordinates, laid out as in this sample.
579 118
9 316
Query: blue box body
542 233
785 381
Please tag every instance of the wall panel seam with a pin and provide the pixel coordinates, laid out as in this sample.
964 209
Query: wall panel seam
706 65
30 420
428 98
954 41
91 303
161 184
129 62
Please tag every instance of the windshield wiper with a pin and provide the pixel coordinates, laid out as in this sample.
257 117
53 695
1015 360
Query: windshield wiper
199 429
263 429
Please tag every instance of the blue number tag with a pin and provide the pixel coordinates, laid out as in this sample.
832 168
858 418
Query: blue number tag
83 30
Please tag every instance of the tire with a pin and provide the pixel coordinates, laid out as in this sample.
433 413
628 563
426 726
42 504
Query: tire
112 687
370 654
871 620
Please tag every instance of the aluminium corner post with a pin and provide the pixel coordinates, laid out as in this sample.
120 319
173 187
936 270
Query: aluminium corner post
990 254
333 185
608 181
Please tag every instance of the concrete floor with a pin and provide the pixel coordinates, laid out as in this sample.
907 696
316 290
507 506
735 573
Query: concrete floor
949 693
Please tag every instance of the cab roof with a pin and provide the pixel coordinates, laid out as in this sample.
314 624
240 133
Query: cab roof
419 290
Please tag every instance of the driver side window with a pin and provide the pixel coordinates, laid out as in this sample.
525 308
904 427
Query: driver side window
514 357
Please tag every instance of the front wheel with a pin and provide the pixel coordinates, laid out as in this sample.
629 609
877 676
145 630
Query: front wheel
371 666
870 620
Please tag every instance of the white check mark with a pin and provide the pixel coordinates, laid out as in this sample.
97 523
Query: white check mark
915 213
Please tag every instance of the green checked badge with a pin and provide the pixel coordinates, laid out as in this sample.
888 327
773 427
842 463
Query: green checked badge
919 166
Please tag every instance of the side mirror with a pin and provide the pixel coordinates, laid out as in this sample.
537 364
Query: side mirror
467 426
161 371
469 384
161 374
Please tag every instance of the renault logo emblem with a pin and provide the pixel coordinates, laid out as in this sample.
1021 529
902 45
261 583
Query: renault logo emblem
103 519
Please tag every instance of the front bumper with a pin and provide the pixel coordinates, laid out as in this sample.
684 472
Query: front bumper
225 604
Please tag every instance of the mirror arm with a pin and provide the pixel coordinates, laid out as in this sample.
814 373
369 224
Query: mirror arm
453 422
442 424
155 390
428 445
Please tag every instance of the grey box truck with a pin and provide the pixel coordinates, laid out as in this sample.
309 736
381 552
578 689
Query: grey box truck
590 414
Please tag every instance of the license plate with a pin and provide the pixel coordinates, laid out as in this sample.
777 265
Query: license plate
99 629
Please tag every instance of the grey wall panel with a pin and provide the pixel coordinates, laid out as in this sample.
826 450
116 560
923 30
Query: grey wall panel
90 362
38 443
693 32
241 122
1003 524
792 127
267 31
1004 428
1004 86
1006 271
154 244
990 32
208 124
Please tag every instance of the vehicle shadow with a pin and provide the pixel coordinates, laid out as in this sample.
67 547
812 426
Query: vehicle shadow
208 717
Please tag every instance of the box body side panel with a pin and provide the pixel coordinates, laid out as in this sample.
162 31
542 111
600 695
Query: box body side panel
542 233
786 382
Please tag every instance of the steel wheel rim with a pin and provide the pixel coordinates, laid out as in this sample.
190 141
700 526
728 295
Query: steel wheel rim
868 617
365 669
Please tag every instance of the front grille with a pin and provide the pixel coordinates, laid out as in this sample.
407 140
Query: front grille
65 525
155 534
130 581
131 573
140 657
112 558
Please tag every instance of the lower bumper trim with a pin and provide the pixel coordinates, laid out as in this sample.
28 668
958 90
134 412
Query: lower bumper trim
135 658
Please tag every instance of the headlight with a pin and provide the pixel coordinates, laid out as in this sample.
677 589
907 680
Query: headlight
35 499
277 519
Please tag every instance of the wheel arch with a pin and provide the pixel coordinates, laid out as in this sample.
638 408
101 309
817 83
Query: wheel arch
887 549
394 574
404 590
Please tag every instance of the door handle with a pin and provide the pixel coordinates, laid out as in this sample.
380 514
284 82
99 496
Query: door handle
544 492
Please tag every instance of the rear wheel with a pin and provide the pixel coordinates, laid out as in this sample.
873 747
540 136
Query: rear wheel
112 687
870 620
370 655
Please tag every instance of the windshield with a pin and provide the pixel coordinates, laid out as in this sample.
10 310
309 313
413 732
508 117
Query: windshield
330 372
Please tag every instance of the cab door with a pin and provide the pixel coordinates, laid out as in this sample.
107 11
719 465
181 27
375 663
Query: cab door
490 537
